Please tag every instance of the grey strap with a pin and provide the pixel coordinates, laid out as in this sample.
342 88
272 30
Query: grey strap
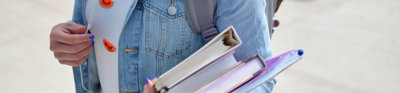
269 12
271 8
201 17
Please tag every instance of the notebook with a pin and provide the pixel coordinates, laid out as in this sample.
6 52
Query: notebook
207 74
218 48
234 77
274 66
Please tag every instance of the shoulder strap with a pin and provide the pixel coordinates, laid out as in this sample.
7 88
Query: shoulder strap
201 17
270 11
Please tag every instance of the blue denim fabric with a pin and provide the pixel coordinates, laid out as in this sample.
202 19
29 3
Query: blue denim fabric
163 40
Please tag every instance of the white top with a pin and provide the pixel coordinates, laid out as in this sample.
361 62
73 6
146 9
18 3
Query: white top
107 25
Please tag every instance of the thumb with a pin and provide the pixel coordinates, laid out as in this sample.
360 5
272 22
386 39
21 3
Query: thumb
75 28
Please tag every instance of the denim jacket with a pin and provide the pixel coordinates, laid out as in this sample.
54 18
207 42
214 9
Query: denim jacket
153 41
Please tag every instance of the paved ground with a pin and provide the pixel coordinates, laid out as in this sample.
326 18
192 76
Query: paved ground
26 64
350 46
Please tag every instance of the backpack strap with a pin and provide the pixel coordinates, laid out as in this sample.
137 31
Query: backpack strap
201 17
270 11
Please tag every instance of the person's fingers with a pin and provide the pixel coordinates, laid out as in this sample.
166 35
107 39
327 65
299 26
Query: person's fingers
68 48
75 28
62 36
151 85
73 56
69 63
146 89
151 89
73 63
153 80
73 38
69 33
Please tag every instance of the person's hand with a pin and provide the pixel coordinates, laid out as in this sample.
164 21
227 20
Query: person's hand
69 44
149 87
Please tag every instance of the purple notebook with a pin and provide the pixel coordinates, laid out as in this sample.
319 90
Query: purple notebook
274 67
234 77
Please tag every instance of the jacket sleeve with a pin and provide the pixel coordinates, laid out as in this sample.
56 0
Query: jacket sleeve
78 16
249 19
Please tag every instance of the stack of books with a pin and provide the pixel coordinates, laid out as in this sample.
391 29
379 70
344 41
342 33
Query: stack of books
214 69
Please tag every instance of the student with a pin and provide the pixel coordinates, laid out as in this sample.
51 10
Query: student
153 40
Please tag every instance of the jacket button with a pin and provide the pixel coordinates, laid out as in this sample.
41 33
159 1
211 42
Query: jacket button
171 10
130 50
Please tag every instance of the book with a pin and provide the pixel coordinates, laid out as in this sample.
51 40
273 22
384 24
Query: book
234 77
220 47
205 75
214 69
274 66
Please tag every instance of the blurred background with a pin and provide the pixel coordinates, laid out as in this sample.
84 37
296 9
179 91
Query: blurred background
350 46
